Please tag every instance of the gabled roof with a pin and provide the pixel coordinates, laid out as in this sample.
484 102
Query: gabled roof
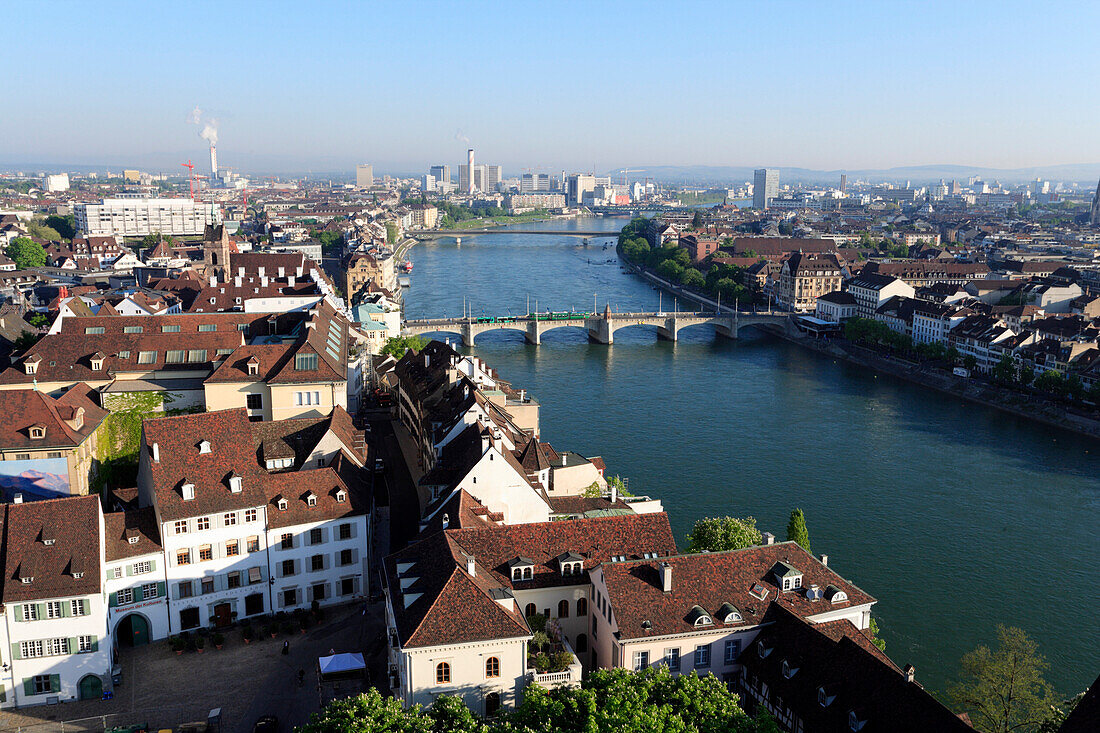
68 419
131 534
52 542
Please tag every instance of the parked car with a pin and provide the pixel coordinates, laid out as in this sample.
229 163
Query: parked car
266 724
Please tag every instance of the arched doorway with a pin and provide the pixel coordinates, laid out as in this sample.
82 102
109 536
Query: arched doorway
132 630
492 703
90 687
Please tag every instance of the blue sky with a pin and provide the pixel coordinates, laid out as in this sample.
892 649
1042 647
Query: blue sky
321 85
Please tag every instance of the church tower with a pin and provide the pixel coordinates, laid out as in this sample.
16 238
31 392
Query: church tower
217 248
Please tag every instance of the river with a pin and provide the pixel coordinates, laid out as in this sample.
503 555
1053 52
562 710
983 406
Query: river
956 517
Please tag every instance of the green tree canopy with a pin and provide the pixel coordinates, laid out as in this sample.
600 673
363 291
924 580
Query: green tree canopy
391 232
715 534
608 700
1003 689
692 278
151 240
796 530
39 230
398 345
697 220
26 253
63 225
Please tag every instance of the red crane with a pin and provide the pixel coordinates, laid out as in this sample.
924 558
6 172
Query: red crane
190 176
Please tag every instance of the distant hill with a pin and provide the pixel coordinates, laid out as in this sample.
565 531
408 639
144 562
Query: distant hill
706 175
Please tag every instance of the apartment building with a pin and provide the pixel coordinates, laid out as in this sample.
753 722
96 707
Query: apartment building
56 438
137 217
54 614
361 268
277 366
871 290
135 581
803 279
224 490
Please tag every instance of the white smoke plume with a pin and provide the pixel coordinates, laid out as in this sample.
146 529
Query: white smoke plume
209 130
460 136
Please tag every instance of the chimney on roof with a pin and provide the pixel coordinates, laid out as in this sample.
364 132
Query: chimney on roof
824 559
17 499
282 271
665 571
910 673
471 570
291 281
262 270
769 538
156 452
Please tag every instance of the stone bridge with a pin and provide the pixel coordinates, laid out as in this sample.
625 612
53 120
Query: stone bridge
600 327
425 234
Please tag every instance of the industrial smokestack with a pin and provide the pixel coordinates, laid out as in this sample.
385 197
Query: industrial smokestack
470 166
213 161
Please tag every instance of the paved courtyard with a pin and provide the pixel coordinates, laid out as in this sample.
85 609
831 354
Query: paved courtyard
244 680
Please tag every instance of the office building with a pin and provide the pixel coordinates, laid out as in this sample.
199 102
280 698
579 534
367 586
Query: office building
136 216
534 182
577 186
492 177
441 173
765 187
427 183
364 175
57 182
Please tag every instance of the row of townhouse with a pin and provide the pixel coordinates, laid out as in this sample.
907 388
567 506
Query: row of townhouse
277 366
464 601
474 433
231 519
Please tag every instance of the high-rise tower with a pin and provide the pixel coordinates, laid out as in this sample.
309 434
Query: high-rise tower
1094 215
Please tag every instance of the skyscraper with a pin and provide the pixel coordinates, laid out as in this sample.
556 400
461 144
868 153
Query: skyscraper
765 187
364 175
492 177
1094 215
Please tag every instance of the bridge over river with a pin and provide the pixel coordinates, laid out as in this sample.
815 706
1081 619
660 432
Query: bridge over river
439 233
600 327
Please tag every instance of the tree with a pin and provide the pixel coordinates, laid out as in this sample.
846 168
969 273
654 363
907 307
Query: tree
1003 690
796 530
398 345
63 225
1004 371
670 270
875 638
391 232
715 534
697 221
368 713
970 362
39 230
692 278
152 240
26 253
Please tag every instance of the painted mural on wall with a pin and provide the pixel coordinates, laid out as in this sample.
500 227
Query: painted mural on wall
42 478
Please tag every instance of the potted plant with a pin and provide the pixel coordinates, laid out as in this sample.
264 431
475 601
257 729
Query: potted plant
271 630
303 623
176 644
288 628
200 644
189 644
247 633
218 639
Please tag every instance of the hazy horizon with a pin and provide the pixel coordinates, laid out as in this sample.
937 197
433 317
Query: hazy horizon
567 86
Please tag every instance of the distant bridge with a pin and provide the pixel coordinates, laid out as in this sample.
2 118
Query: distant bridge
600 327
439 233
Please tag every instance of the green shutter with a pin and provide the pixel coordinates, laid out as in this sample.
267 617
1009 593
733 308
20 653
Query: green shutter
152 565
129 570
28 686
66 609
41 610
84 608
162 589
95 644
16 651
112 601
55 683
74 644
3 693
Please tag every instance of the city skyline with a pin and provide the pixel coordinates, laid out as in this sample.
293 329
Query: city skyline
862 88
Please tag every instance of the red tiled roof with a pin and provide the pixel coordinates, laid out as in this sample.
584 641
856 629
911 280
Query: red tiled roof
59 417
139 525
71 527
710 580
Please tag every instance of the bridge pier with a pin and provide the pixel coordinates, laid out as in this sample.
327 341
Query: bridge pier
533 334
599 331
669 331
468 334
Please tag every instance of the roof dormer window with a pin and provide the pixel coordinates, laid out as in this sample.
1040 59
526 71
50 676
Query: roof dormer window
77 574
854 723
30 364
835 595
522 568
281 503
729 614
188 490
342 496
97 361
788 670
26 579
698 617
253 366
204 446
823 698
236 484
311 499
762 651
37 432
133 540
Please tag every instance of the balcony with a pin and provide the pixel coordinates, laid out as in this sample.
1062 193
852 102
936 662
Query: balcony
555 675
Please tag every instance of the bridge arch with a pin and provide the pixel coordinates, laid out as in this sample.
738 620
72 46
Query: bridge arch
556 325
480 329
431 334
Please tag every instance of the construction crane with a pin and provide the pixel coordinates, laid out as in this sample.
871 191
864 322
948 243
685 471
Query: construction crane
624 171
190 176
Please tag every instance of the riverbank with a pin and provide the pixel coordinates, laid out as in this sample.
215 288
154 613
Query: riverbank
1030 407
